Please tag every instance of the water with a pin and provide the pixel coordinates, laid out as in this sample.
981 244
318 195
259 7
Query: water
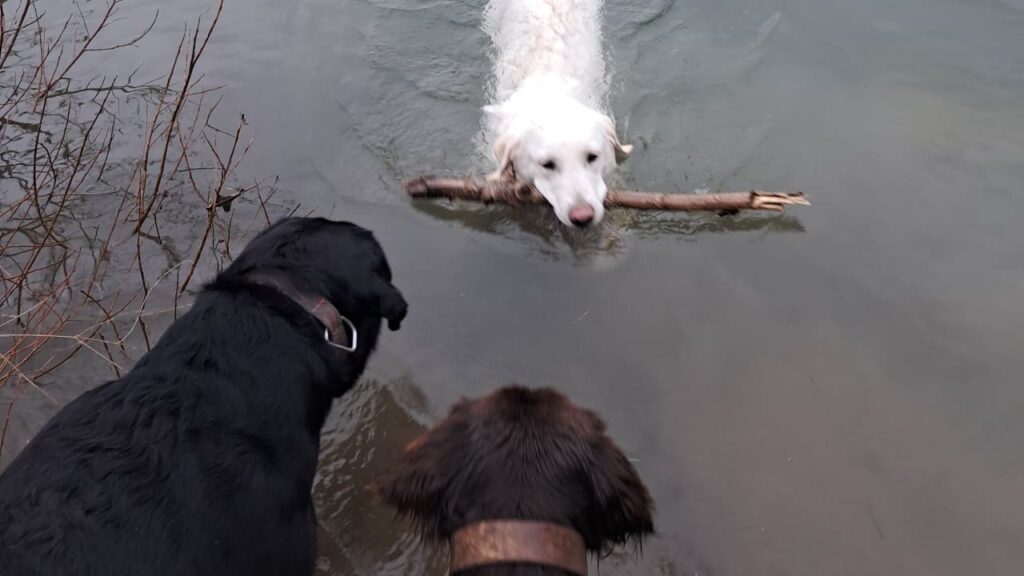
836 391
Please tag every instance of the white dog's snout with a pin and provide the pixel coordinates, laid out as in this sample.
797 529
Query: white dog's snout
582 214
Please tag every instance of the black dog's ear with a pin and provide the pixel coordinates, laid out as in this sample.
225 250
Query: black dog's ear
421 480
621 508
392 305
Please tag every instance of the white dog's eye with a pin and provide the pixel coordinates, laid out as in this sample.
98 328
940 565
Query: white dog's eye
549 165
591 158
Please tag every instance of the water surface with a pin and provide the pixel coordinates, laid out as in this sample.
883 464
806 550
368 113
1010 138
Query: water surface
836 391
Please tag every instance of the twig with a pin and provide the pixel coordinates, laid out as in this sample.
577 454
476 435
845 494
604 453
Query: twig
506 191
15 32
56 158
195 53
7 421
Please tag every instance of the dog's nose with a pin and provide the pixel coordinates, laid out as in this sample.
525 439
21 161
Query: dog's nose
581 215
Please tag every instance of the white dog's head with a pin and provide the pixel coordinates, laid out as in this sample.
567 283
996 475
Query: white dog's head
563 148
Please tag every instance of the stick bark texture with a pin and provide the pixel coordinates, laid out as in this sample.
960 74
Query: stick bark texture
504 191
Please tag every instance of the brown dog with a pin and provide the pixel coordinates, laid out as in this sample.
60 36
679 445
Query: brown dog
520 455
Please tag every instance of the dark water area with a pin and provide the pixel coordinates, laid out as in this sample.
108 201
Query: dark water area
834 391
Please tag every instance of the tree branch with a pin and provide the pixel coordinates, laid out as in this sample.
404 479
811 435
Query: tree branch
504 191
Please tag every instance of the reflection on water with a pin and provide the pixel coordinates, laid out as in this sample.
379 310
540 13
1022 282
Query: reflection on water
695 226
833 391
357 534
534 227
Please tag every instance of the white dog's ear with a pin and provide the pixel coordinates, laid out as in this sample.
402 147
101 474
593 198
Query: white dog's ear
505 148
621 150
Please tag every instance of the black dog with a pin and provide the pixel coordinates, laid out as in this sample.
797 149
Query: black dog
520 454
200 461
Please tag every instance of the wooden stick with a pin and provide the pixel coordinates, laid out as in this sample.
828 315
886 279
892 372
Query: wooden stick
512 192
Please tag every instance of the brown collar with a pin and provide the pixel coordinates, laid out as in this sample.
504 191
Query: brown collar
518 541
336 326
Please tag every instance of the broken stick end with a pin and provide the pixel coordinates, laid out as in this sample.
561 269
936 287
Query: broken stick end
417 186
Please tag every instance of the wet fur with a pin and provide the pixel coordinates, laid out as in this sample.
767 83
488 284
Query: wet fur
200 460
549 92
521 454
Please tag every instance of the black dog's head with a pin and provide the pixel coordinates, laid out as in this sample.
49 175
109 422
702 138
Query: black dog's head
521 454
339 261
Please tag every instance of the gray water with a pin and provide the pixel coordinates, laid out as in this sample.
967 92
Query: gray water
834 391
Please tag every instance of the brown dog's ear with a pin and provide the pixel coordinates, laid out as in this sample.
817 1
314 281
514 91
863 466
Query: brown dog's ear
621 509
419 484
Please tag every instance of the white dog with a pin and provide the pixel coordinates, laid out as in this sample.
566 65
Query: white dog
547 127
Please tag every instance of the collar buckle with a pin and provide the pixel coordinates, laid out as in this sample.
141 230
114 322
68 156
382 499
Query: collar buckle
345 323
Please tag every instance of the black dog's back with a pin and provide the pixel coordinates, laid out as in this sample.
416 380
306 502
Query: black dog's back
201 459
171 462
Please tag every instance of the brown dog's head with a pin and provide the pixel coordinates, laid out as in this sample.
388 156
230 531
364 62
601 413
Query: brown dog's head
521 454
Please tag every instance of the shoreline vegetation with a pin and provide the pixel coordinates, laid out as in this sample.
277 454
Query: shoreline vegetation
114 193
